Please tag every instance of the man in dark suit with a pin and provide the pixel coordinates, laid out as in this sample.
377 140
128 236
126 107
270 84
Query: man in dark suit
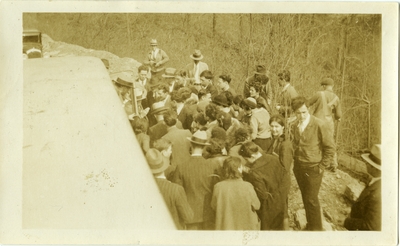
197 178
180 147
314 148
173 194
366 212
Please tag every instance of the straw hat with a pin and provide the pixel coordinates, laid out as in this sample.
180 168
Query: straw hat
153 42
156 161
199 137
158 107
196 55
169 73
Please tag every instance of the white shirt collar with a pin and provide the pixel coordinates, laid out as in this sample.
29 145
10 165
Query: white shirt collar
304 124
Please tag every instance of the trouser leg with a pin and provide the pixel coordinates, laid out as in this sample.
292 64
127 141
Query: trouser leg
309 181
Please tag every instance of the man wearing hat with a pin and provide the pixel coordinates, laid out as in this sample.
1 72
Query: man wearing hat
169 78
156 59
194 69
173 194
327 107
259 75
158 130
197 176
366 212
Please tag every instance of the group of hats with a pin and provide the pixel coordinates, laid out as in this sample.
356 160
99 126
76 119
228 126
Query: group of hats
195 56
159 163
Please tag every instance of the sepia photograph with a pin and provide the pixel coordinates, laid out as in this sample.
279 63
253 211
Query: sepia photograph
177 123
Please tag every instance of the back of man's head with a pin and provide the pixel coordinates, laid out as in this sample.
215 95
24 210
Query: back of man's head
207 74
170 118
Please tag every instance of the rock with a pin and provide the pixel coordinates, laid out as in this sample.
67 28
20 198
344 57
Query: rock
326 225
353 191
338 176
353 164
300 219
327 215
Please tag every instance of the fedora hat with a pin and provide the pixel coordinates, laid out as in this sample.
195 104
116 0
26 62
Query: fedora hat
156 161
153 42
196 55
260 69
199 137
327 81
221 100
169 73
125 80
374 157
158 107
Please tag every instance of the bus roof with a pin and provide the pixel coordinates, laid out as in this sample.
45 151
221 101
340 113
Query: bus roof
82 166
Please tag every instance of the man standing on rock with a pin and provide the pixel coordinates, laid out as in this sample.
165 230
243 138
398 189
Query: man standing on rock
156 59
313 152
327 107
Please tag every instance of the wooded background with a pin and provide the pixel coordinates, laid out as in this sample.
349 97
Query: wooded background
346 48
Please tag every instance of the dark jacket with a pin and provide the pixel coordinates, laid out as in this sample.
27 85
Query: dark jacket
366 212
197 176
266 175
315 145
282 148
176 201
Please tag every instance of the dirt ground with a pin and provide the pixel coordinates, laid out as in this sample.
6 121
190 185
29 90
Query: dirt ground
335 205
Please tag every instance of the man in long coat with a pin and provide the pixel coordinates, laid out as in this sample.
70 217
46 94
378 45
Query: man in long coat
265 173
197 176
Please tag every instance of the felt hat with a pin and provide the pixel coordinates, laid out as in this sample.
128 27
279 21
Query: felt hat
260 69
153 42
169 73
374 157
196 55
250 102
221 100
327 81
199 137
156 161
158 107
125 80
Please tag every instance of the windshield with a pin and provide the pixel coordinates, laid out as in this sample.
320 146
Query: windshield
31 39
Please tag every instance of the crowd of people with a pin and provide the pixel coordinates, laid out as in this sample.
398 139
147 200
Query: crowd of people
223 159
